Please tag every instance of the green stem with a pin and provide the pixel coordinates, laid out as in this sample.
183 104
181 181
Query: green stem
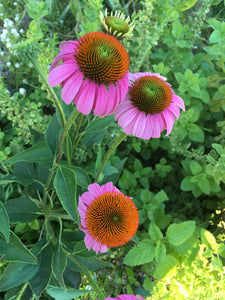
20 294
69 123
109 153
95 287
54 97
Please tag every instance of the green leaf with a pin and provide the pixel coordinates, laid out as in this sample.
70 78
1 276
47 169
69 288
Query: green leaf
154 232
221 249
65 185
40 152
185 5
61 294
187 184
82 177
93 264
208 238
21 210
160 252
196 134
15 250
216 36
21 178
179 233
4 223
195 167
59 263
16 274
52 134
218 148
166 269
41 279
93 137
140 254
100 123
177 29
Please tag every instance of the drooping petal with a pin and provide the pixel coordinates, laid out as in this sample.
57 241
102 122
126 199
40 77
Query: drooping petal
148 128
86 98
169 120
60 73
101 100
123 83
174 109
140 124
176 99
71 87
68 44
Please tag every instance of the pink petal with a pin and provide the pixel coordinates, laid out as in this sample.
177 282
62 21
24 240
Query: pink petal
174 109
95 190
176 99
128 129
140 125
87 198
69 44
128 117
101 100
112 99
122 108
60 73
156 125
107 187
95 245
61 55
169 120
123 84
71 87
148 128
86 98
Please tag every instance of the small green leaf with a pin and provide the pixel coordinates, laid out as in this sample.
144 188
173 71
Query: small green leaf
195 167
21 210
4 223
154 232
100 123
52 134
166 269
93 264
187 184
160 252
64 294
140 254
65 185
179 233
40 152
82 177
59 263
41 279
15 250
196 134
208 238
16 274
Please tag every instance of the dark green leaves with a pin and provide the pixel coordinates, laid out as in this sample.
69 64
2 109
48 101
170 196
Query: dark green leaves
15 250
4 223
61 294
65 185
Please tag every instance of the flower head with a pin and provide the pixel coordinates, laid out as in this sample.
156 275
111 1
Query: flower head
150 106
126 297
108 217
93 73
117 25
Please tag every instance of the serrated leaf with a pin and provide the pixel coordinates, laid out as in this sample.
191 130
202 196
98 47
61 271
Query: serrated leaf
15 250
65 185
140 254
64 294
160 252
187 184
166 269
16 274
195 167
4 223
196 134
154 232
21 210
207 238
40 152
41 279
179 233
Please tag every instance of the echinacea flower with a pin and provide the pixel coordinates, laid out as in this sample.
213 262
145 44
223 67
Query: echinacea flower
126 297
150 106
93 73
117 25
108 217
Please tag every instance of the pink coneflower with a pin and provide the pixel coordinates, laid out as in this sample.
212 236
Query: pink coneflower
108 217
150 106
126 297
93 73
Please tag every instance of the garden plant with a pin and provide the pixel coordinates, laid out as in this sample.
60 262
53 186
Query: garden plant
112 159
